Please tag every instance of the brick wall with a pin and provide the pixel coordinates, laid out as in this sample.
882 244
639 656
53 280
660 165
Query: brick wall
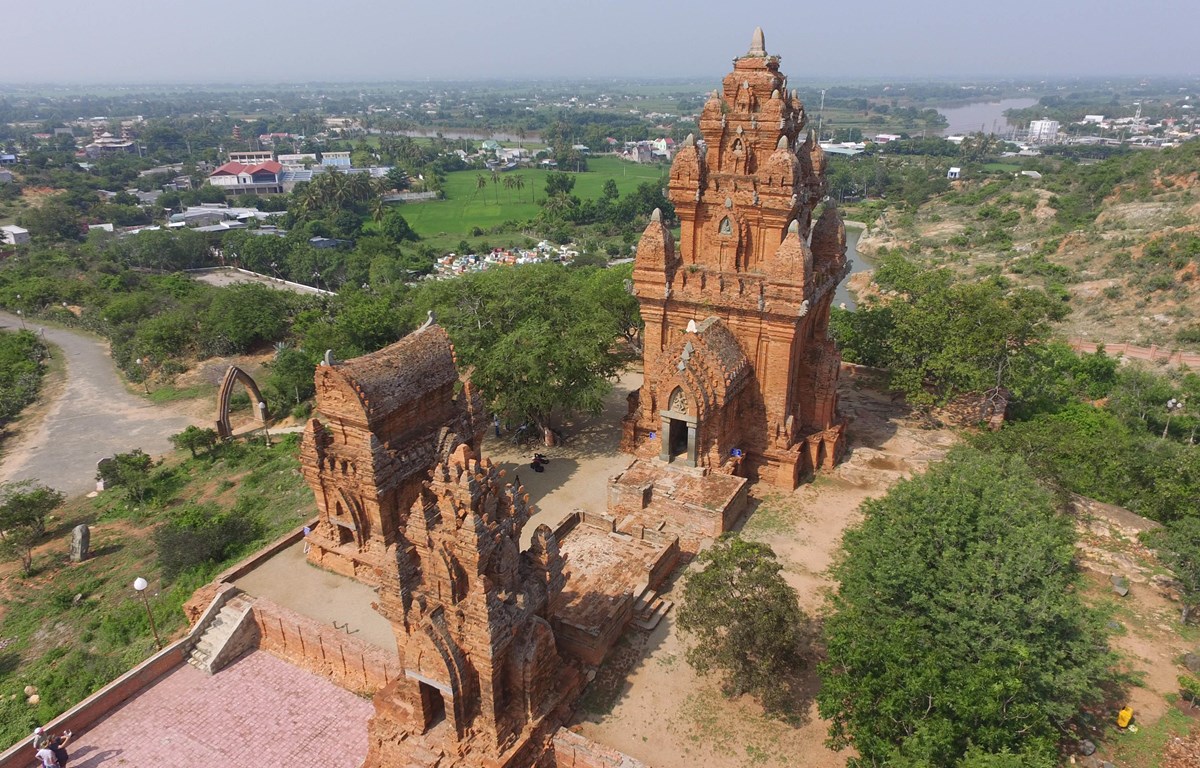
571 750
306 643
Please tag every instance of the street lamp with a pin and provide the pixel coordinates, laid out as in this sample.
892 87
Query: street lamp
21 315
262 414
142 368
140 585
1173 406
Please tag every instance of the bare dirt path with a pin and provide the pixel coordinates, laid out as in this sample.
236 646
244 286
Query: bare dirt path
91 417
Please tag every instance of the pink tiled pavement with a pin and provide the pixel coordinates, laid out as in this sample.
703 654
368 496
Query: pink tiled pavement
259 711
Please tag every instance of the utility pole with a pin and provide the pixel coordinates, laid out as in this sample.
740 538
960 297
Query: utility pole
821 116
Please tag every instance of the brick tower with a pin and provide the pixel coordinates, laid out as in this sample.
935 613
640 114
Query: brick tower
482 676
389 416
741 376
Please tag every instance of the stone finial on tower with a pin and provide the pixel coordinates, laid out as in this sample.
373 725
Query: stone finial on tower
758 44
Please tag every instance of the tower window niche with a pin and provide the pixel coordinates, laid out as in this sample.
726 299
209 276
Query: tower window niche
726 227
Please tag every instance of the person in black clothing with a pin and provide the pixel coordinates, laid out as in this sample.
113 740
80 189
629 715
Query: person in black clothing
58 745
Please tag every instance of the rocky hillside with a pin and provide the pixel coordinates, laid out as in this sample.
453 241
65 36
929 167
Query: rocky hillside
1118 239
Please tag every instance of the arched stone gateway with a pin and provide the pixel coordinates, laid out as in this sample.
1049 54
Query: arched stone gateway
257 402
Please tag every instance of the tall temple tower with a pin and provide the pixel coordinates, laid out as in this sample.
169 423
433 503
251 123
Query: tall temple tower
741 375
482 675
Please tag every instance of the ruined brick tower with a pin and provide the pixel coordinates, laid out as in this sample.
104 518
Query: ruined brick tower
740 374
390 414
482 675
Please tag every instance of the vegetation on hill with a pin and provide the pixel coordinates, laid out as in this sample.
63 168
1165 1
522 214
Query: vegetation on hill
956 622
70 629
22 357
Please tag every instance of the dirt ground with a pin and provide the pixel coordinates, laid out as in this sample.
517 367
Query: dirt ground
649 703
657 709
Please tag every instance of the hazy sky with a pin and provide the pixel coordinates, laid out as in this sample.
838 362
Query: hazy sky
302 40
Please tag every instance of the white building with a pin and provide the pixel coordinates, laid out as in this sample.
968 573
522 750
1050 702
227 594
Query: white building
1043 131
954 173
13 235
252 158
335 159
297 160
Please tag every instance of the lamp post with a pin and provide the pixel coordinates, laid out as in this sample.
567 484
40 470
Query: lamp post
1173 406
262 414
142 368
140 585
21 315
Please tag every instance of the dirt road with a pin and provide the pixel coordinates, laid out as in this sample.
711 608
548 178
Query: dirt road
94 416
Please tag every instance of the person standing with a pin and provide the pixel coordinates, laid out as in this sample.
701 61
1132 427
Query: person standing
496 424
58 745
46 755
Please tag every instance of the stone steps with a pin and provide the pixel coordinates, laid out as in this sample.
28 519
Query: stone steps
217 634
649 609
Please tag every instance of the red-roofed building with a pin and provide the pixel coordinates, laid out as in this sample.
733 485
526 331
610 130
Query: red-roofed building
240 179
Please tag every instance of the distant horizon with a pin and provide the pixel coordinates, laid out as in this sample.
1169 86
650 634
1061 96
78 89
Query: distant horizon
303 41
702 81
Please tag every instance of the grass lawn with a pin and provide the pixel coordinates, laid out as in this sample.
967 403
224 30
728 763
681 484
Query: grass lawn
467 207
68 629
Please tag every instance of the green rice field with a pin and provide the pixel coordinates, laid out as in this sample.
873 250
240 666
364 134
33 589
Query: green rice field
467 207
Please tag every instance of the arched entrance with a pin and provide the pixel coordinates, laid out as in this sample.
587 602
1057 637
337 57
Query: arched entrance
678 430
257 402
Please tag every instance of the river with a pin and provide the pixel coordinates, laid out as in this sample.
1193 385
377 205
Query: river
858 263
985 115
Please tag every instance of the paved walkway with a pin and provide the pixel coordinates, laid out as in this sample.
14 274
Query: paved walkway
258 712
94 417
288 580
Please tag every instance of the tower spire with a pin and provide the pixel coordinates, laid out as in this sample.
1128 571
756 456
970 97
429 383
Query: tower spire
758 44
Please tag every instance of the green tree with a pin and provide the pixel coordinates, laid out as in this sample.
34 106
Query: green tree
957 620
24 507
609 192
559 183
195 437
291 376
745 623
246 315
1178 545
539 353
943 338
396 227
131 471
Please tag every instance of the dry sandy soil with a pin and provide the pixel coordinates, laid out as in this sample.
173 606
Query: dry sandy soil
649 703
663 713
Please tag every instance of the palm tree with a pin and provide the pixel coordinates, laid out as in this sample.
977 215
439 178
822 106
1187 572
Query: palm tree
519 183
509 183
496 184
359 187
480 183
378 208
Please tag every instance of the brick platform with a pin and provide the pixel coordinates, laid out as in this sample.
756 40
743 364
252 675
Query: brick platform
257 711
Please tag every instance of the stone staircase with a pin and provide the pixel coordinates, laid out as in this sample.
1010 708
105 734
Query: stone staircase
649 609
224 638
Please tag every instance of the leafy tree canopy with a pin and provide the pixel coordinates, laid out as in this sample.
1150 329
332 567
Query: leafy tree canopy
538 352
745 623
956 622
942 338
